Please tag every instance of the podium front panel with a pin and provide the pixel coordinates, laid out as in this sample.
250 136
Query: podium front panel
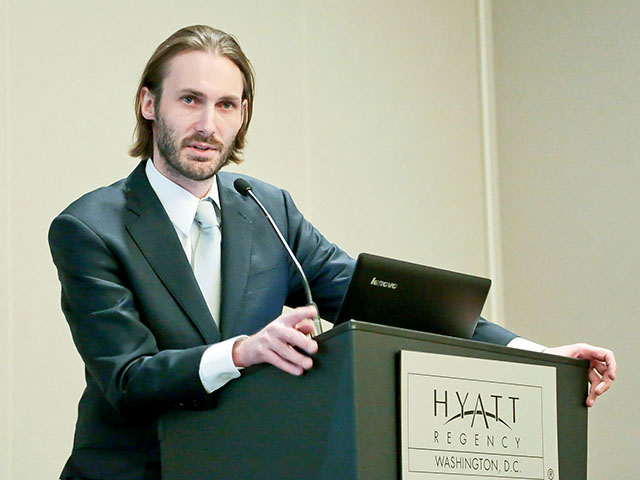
340 420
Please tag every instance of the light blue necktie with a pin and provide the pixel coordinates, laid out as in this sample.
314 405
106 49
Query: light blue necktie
206 256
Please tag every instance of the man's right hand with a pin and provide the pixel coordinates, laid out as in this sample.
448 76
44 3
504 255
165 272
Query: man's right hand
275 343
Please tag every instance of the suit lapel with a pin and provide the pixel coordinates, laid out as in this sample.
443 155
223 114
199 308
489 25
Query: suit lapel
237 233
155 235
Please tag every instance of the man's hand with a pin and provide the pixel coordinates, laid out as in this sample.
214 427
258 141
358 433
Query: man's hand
275 343
602 368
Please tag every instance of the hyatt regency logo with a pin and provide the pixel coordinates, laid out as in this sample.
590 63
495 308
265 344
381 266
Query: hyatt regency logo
474 409
478 411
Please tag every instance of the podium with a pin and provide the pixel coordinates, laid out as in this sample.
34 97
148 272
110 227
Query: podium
340 420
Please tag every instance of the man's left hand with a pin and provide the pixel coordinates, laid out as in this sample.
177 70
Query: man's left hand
602 367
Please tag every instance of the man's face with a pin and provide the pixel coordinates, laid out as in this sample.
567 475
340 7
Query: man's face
197 118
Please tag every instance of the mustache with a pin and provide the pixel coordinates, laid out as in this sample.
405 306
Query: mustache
210 140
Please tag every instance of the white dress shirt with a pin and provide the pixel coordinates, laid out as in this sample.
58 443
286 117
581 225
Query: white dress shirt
524 344
216 365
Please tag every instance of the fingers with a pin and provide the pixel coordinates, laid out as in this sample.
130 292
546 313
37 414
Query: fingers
296 335
307 327
594 378
603 370
610 360
603 367
597 388
279 343
294 316
600 367
600 380
290 356
291 367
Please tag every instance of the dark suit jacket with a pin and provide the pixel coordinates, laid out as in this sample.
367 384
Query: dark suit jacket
140 323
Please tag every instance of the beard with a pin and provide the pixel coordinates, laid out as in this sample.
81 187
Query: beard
190 166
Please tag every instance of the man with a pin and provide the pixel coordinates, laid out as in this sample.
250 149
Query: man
156 332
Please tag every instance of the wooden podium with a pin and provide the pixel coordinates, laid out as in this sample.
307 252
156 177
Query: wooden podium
340 420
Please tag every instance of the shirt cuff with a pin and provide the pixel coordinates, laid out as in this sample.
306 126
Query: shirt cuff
216 365
524 344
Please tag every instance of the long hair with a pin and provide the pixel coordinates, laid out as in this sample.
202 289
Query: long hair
193 38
